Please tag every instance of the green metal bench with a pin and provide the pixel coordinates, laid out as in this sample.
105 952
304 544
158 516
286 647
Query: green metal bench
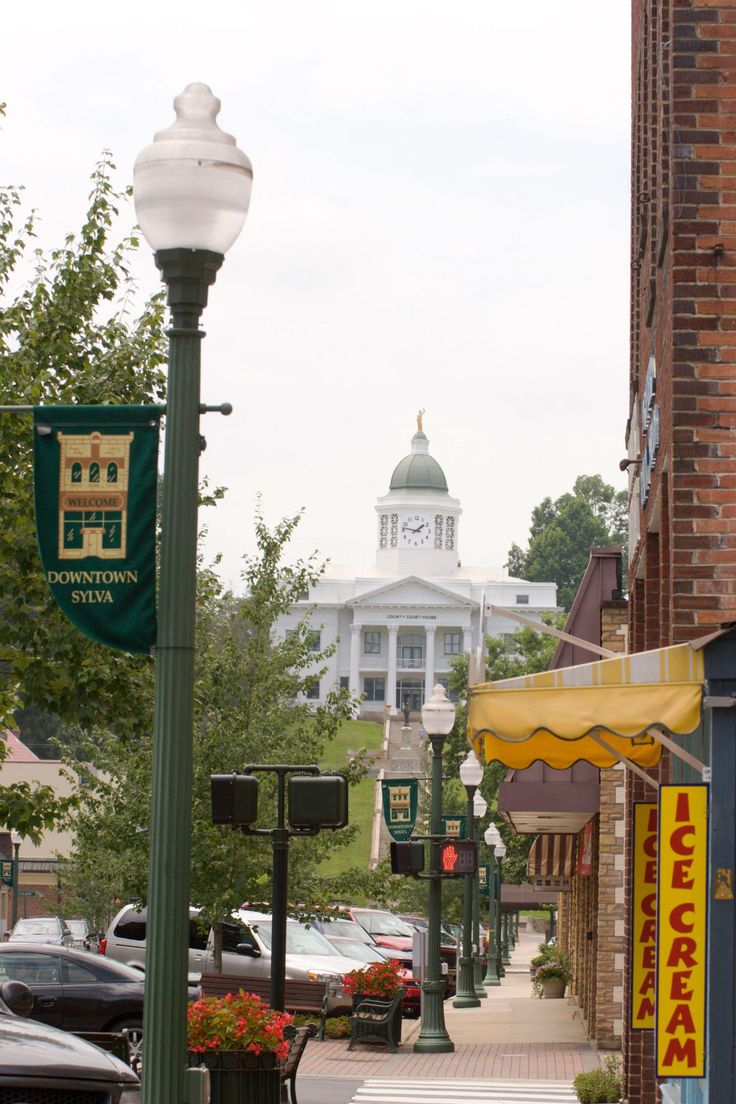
377 1021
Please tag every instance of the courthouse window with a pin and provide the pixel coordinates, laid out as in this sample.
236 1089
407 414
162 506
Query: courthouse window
452 643
374 689
372 643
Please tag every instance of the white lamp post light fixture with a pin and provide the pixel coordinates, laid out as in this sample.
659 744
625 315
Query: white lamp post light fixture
480 805
438 717
471 772
192 189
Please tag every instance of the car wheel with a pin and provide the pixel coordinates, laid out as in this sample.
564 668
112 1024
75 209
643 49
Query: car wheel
133 1029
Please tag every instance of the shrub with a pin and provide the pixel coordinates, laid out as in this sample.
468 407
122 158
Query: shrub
601 1086
337 1027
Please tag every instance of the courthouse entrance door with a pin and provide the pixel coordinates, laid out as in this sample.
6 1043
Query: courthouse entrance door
411 690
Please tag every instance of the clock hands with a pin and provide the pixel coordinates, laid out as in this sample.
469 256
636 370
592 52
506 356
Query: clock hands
407 528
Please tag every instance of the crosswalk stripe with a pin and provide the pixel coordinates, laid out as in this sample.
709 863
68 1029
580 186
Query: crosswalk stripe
379 1090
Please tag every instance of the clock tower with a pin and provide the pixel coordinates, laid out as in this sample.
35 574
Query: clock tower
418 519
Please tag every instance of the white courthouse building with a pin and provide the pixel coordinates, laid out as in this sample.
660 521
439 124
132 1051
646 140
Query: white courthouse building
399 624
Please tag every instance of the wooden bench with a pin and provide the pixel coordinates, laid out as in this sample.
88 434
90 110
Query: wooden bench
299 996
377 1021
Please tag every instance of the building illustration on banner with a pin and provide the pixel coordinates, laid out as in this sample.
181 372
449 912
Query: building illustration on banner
93 495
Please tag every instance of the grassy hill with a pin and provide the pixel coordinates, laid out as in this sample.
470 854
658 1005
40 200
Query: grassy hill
354 735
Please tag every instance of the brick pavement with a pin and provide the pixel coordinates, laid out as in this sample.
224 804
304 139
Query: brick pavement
511 1036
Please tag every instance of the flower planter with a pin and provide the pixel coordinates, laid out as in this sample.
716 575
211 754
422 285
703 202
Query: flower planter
238 1076
553 988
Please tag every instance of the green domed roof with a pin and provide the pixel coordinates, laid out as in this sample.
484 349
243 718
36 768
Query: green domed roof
418 470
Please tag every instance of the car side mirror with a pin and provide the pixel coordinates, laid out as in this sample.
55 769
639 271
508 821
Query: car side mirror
17 997
248 950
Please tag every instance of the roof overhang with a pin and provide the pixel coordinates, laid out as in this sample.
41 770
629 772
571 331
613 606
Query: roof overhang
540 800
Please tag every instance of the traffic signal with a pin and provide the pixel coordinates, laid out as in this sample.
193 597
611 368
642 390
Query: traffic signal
318 801
234 799
458 857
407 857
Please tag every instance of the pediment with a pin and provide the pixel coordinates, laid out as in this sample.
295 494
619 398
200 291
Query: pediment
412 591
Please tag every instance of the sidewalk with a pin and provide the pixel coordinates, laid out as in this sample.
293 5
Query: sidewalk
512 1035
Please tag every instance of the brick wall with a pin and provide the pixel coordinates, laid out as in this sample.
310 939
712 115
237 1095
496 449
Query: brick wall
683 319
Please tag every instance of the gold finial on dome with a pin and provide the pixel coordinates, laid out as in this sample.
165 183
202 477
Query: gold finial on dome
419 421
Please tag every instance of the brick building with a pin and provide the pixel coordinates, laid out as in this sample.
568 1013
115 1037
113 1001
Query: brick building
681 442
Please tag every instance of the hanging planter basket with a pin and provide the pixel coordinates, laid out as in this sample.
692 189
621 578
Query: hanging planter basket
237 1076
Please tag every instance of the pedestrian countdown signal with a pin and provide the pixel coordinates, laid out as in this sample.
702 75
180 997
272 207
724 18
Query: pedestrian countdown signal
457 858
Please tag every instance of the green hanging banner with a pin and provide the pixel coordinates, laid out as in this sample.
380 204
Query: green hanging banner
453 827
95 475
400 799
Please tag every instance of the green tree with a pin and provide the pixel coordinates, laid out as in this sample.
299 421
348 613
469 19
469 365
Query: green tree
246 711
68 334
563 532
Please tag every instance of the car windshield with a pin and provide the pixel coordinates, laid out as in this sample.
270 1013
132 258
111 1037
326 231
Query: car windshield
36 927
349 929
77 927
354 948
299 938
384 923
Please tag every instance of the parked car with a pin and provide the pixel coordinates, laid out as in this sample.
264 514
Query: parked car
125 939
246 948
309 955
82 934
391 931
38 1062
342 928
75 991
355 948
42 929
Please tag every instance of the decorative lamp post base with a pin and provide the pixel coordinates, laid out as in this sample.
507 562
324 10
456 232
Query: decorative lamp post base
433 1037
466 996
478 980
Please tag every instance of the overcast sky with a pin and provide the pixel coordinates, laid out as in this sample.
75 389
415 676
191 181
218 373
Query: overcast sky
439 219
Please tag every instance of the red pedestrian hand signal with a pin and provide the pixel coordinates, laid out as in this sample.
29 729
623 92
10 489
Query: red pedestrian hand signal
449 857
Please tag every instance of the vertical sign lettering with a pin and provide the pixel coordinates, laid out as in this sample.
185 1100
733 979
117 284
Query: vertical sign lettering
682 900
644 915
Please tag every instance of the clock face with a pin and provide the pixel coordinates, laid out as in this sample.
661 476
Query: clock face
415 531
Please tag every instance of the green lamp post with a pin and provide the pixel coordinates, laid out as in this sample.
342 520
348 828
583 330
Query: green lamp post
500 856
438 717
192 189
480 808
471 775
492 837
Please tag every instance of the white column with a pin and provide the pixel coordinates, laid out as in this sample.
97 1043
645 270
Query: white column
355 631
391 679
467 639
429 662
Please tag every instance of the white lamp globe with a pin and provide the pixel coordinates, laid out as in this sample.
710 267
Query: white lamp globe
471 772
492 836
438 714
480 805
16 838
500 850
192 184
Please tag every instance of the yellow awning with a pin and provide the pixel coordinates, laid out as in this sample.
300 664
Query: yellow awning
551 716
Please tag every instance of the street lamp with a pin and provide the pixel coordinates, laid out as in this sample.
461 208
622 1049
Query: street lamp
480 808
438 717
471 775
500 855
16 839
492 837
192 188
